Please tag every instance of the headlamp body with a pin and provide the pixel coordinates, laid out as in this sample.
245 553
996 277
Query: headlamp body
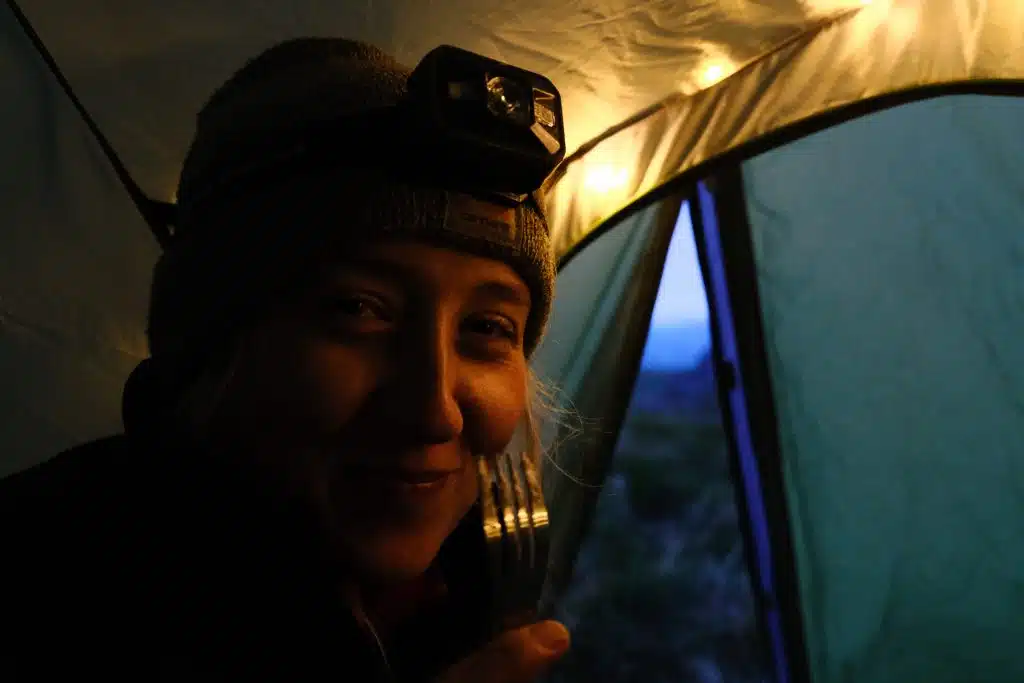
468 124
498 124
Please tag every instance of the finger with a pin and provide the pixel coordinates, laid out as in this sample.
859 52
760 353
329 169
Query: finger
518 656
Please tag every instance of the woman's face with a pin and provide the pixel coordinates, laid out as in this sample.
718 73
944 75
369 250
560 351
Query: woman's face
370 397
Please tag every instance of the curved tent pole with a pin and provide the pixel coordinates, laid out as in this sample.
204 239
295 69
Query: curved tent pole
158 215
789 134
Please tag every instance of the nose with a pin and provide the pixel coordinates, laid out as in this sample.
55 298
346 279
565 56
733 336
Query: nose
426 389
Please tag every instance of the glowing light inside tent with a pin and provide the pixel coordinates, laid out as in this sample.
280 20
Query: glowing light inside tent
605 178
599 184
712 74
894 21
903 22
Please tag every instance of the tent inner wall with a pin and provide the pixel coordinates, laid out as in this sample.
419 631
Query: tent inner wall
890 266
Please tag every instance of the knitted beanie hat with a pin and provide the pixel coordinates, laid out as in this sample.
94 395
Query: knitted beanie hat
233 249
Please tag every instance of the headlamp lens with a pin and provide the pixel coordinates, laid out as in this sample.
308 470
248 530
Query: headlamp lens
509 101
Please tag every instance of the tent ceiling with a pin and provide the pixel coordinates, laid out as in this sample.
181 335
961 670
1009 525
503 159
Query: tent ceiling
883 47
143 67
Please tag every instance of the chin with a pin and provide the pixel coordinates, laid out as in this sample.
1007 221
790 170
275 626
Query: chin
386 559
401 546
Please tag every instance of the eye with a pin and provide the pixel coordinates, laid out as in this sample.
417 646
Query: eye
357 312
494 327
358 306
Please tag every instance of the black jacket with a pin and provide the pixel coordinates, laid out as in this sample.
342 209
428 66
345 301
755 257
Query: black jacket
123 561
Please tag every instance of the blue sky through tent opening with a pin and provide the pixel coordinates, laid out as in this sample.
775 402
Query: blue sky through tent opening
679 336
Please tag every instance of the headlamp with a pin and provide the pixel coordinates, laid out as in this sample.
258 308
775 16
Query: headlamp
498 123
468 124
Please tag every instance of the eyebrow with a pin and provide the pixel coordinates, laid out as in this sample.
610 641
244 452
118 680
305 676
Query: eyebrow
505 292
372 267
498 289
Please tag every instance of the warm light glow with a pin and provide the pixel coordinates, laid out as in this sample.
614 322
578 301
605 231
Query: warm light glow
591 113
605 178
712 74
903 23
895 21
599 184
714 68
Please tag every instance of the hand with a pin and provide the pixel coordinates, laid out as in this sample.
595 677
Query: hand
517 656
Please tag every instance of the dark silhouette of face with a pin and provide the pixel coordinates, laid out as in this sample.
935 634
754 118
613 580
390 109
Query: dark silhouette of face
369 396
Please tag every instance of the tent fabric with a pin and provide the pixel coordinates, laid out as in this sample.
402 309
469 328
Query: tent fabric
889 254
591 356
143 67
886 46
74 270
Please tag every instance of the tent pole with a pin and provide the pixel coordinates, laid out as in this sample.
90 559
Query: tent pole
724 246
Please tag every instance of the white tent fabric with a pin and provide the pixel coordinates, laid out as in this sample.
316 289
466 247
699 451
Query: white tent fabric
143 67
75 260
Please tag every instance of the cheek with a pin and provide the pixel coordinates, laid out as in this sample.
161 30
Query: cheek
291 390
333 383
496 409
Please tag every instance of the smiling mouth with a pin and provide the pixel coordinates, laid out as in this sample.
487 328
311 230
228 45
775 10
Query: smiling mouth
401 477
418 476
